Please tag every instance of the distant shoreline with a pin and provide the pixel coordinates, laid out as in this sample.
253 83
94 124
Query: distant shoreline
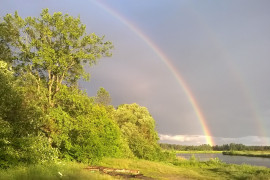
264 154
197 152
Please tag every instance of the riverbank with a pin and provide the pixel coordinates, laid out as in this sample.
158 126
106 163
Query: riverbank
265 154
178 169
197 152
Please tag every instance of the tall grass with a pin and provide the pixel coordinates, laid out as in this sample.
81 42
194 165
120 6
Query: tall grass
51 171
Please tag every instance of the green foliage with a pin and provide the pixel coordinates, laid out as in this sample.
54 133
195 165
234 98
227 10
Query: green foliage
103 97
265 154
138 128
10 100
208 148
240 147
193 158
179 147
215 161
77 127
52 48
82 130
29 150
51 171
5 38
39 99
19 141
43 114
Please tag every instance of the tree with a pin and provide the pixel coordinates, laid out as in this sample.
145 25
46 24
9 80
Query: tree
5 38
138 128
19 120
103 97
10 99
47 57
81 129
51 48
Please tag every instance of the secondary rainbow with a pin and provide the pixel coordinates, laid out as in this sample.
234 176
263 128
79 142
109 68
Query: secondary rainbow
238 76
168 63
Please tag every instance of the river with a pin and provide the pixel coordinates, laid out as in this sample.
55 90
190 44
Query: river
255 161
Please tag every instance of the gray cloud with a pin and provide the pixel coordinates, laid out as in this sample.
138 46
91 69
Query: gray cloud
220 48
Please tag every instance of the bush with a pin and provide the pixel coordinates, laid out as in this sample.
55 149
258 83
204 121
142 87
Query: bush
27 150
82 130
138 129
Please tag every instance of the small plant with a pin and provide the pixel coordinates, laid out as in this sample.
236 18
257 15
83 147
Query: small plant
193 158
215 161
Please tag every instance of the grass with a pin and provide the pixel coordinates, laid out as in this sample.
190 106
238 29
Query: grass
178 169
190 169
51 171
265 154
156 170
215 169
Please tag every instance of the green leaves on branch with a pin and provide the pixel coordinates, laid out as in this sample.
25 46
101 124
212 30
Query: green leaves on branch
83 130
103 97
138 129
53 48
43 114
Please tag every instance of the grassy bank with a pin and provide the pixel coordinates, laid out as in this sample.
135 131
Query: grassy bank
179 169
190 169
265 154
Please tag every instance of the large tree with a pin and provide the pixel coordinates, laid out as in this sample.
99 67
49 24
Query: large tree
51 48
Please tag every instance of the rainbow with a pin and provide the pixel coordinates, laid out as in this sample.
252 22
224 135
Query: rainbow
238 75
168 63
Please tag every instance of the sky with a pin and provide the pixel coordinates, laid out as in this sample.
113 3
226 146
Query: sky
200 67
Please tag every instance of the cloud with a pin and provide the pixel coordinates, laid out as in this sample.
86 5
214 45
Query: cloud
183 139
226 70
200 139
247 140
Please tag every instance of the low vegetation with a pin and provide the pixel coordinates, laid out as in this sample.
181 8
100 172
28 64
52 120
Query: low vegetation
177 169
265 154
190 169
51 171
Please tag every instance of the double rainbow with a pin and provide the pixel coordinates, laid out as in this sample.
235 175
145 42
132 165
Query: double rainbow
168 63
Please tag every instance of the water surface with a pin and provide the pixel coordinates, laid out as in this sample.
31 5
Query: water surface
255 161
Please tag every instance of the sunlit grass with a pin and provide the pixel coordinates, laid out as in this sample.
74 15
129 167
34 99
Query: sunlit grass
190 169
156 170
178 169
51 171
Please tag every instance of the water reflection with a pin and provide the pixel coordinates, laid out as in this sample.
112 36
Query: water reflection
256 161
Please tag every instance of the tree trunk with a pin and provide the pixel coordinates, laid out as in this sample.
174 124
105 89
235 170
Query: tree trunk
50 86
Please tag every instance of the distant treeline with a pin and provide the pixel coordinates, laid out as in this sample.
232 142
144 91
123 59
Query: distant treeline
207 147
